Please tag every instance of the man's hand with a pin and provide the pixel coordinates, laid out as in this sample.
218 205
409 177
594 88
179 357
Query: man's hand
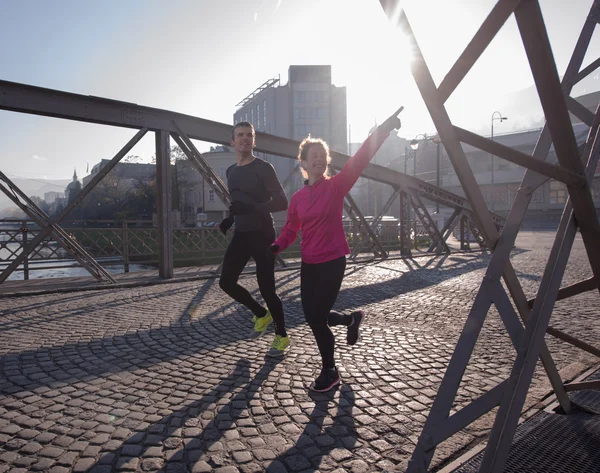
240 208
272 250
392 123
225 225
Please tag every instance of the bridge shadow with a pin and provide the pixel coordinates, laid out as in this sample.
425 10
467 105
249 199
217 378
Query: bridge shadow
189 335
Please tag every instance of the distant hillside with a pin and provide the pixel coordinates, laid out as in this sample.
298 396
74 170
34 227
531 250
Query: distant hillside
31 187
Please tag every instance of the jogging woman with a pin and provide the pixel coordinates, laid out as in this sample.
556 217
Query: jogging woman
316 210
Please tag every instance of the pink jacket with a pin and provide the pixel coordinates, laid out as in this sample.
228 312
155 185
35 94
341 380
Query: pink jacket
317 209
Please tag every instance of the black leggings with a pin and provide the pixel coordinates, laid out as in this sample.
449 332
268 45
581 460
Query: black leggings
243 246
320 285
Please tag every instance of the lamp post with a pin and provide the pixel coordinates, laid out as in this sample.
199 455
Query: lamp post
501 118
414 144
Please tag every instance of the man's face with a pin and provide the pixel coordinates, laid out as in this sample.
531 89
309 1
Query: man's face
243 139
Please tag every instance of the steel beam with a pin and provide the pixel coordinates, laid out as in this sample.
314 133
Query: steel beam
405 246
500 264
581 386
514 398
539 53
67 210
423 215
486 33
579 111
164 205
522 159
375 222
573 290
54 103
586 71
60 236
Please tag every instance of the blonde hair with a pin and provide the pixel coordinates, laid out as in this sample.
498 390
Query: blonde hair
305 146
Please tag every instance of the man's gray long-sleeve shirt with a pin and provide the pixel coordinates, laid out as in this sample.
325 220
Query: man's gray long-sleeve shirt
256 183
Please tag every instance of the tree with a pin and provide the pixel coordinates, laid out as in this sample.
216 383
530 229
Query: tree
178 179
131 158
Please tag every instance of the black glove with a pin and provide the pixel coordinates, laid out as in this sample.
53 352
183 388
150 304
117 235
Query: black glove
225 225
240 208
272 250
392 123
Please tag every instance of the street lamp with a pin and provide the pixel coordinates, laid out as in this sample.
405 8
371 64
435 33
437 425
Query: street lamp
501 118
414 144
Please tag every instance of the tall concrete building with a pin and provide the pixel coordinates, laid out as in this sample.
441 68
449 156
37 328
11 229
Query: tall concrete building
308 104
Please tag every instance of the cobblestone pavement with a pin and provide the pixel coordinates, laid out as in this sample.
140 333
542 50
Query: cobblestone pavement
164 378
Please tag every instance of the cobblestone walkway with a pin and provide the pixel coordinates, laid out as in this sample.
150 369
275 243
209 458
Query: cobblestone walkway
164 377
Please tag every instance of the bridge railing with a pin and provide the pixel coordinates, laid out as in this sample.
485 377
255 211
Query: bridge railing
125 243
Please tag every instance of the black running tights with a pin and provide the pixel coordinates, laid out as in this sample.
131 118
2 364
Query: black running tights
243 246
320 285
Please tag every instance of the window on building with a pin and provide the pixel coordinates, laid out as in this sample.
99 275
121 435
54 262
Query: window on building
258 116
300 131
538 195
301 96
321 112
317 130
501 194
211 195
222 172
299 113
558 193
252 116
264 113
246 116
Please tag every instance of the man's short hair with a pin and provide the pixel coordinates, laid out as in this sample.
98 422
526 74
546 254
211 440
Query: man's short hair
239 125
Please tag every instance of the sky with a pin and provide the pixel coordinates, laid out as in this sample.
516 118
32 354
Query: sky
201 57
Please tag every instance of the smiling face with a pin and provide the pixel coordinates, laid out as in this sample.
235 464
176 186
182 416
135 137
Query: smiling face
314 157
242 139
316 161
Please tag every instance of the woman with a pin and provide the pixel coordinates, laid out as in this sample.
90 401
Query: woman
316 209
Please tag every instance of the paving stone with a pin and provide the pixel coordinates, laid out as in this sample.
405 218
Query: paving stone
130 372
296 462
127 463
242 457
83 465
201 467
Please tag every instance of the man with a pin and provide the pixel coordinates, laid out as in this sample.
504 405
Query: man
255 193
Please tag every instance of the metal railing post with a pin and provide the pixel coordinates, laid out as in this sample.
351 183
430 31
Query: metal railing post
25 231
125 247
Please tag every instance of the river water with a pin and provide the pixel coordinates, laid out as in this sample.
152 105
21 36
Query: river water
8 251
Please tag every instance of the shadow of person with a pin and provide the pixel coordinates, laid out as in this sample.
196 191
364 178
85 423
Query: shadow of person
191 434
327 438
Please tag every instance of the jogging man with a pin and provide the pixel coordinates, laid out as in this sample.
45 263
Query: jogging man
255 193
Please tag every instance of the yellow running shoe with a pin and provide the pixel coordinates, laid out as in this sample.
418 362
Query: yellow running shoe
260 324
278 346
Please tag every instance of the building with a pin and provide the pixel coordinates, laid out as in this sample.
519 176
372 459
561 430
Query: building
500 187
197 201
73 188
127 173
308 104
50 197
